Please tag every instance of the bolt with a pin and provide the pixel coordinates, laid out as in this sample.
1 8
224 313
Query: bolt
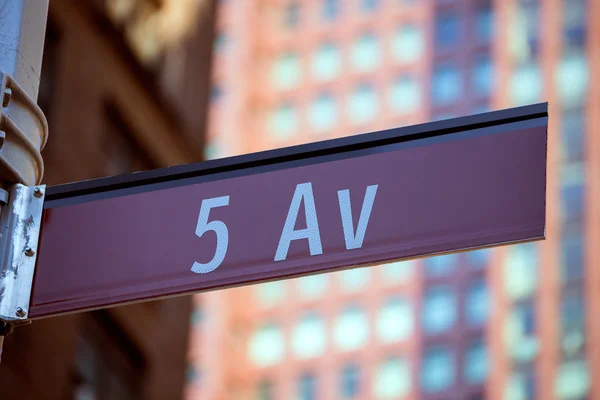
20 312
6 98
37 192
29 251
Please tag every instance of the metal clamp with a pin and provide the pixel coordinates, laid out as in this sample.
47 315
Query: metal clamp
23 134
20 223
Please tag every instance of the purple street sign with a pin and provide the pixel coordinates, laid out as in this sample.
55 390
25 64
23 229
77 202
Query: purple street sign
409 192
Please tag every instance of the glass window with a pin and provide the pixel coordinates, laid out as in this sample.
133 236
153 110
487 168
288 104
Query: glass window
267 345
309 337
572 322
526 84
291 14
351 330
572 79
191 374
221 42
572 380
283 122
447 85
482 76
520 271
326 62
476 363
478 259
520 386
408 44
572 191
439 310
350 382
270 294
520 340
573 134
572 256
312 287
366 53
323 113
405 95
216 93
330 9
286 73
265 391
197 316
484 21
363 104
574 20
525 29
477 306
437 370
392 379
440 265
307 387
447 30
369 5
397 272
353 280
395 321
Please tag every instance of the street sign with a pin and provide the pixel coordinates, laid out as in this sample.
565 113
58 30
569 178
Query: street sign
409 192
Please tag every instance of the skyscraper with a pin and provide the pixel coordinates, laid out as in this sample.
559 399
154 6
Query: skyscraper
518 322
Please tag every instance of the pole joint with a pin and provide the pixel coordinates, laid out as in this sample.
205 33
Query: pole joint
20 223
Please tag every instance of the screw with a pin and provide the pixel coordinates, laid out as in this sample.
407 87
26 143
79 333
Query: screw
29 251
37 192
20 312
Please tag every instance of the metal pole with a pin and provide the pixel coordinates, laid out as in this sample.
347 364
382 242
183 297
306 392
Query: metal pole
23 127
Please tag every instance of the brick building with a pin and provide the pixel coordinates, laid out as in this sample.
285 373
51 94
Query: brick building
124 89
518 322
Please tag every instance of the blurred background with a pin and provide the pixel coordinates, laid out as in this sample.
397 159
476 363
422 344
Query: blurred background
130 85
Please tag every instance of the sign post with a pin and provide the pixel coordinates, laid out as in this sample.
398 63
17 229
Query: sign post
409 192
23 133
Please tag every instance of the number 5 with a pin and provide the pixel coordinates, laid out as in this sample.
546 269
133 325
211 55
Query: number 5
218 227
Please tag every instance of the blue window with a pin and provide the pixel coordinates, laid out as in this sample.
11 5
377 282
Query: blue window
574 22
484 21
440 265
572 192
330 9
197 316
216 93
529 16
350 382
572 313
265 391
307 387
477 306
447 30
437 370
447 84
439 310
478 259
476 363
482 76
572 256
291 14
192 374
573 134
369 5
527 313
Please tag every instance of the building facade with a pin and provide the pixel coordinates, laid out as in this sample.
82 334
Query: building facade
517 322
122 91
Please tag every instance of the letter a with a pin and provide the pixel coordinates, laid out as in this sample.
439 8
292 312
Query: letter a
303 191
355 240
